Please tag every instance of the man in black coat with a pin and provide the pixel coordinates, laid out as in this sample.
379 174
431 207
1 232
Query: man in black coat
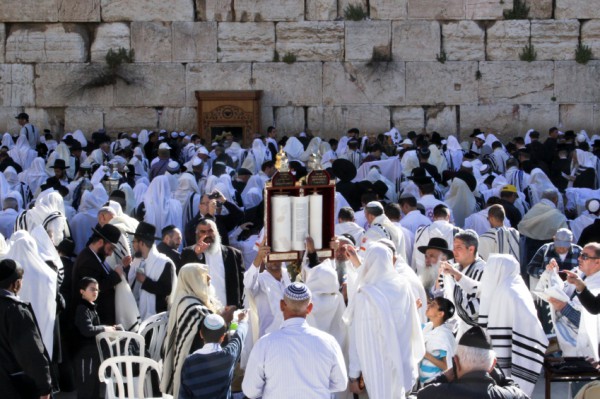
24 362
91 263
170 242
472 375
225 264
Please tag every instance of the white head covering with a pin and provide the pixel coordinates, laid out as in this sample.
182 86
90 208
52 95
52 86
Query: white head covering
143 137
129 198
187 185
294 149
79 136
254 183
538 183
92 201
461 200
161 209
313 148
528 136
7 141
35 176
139 191
22 153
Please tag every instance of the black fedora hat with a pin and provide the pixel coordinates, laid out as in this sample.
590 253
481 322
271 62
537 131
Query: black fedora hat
343 169
437 243
145 231
109 233
60 164
467 178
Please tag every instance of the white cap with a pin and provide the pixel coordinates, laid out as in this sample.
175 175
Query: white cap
181 134
214 322
202 150
196 161
480 136
164 146
593 206
407 142
133 135
174 135
467 164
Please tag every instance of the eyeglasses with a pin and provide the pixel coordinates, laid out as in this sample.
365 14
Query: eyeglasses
585 256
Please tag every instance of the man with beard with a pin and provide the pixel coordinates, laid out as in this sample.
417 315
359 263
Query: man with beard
435 252
225 264
91 262
155 274
171 240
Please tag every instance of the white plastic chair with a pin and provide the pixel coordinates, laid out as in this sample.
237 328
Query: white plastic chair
127 386
156 326
118 343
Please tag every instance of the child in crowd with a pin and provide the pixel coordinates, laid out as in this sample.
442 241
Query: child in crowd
440 343
87 323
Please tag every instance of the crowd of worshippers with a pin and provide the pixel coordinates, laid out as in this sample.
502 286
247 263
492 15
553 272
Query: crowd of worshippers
448 256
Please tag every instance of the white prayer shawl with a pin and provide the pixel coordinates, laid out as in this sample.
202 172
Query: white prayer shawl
588 338
61 152
22 153
576 226
538 184
254 182
384 348
35 176
187 185
478 222
437 158
7 141
395 233
3 247
528 136
374 176
507 309
312 148
351 228
415 284
461 200
294 149
140 166
256 156
236 152
438 339
87 217
453 153
39 284
48 251
499 158
342 145
155 264
409 161
501 240
129 199
139 192
216 270
577 197
328 302
517 178
542 221
161 209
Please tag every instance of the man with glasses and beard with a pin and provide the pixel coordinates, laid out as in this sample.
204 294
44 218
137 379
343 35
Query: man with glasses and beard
435 252
91 262
225 263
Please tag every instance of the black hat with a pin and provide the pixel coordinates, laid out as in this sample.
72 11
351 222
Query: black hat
424 152
475 337
569 134
168 228
467 178
118 194
418 172
22 115
76 145
343 169
596 143
365 186
437 243
59 164
421 180
145 231
300 170
8 267
476 131
67 247
244 172
109 233
380 188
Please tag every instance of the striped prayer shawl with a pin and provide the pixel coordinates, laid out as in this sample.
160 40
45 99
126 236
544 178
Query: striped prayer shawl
501 240
467 303
190 312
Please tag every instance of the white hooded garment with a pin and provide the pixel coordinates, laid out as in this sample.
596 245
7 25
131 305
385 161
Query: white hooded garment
461 200
161 209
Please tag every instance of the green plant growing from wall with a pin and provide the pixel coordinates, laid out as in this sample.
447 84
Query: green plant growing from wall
275 56
289 58
108 74
519 11
355 12
441 57
528 53
583 54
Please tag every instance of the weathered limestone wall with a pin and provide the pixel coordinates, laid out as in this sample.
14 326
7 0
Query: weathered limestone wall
50 48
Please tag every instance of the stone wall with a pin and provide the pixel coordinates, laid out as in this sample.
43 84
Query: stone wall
369 74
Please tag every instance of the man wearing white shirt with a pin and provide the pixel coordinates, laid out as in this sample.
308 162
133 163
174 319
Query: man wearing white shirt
28 130
297 361
8 216
428 200
413 218
347 225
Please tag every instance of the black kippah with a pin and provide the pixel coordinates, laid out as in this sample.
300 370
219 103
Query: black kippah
475 337
7 268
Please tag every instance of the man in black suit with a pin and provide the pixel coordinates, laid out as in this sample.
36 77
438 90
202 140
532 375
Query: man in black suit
225 264
91 263
171 240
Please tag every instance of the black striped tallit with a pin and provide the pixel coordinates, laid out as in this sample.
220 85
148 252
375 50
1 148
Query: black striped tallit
468 310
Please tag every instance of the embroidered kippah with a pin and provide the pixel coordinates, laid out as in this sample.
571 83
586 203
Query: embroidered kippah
214 322
297 292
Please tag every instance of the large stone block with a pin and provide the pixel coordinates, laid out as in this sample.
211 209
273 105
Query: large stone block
179 119
576 83
508 120
364 37
431 83
46 43
540 9
335 121
86 119
194 41
78 11
408 118
59 85
2 41
580 9
441 119
214 10
157 85
516 82
463 41
555 40
486 9
435 9
16 85
245 42
149 10
42 118
207 76
129 118
388 9
289 84
506 39
28 11
267 118
260 10
311 41
361 83
109 36
289 119
415 40
321 10
590 36
152 41
579 117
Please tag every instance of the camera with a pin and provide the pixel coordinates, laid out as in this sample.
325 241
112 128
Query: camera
214 196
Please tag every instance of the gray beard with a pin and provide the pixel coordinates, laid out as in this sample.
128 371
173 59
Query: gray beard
215 246
429 276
